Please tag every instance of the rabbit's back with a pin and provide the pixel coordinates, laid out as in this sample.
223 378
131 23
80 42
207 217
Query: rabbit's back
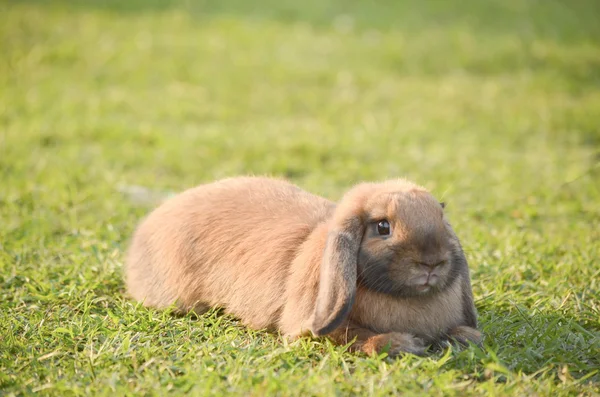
227 244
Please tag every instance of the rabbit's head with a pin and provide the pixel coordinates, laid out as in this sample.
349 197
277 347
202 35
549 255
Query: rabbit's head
390 237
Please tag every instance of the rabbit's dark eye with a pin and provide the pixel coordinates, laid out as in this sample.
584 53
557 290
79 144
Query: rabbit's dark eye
383 228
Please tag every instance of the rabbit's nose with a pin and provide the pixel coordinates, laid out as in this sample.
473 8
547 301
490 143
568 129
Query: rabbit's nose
432 264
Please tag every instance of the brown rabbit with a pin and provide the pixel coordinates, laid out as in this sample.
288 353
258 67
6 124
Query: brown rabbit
383 267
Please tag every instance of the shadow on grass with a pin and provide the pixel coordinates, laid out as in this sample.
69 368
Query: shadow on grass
526 342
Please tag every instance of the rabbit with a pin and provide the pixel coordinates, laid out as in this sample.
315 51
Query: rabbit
382 270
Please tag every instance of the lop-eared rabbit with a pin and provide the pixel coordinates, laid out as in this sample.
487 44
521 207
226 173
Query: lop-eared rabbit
383 267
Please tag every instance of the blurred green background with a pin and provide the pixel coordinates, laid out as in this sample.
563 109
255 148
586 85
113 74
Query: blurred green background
106 106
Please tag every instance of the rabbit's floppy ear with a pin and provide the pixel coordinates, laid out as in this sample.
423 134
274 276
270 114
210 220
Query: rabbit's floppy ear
337 285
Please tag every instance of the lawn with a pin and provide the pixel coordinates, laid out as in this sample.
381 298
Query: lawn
106 107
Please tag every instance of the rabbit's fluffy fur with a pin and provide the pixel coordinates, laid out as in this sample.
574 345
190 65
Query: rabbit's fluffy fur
280 258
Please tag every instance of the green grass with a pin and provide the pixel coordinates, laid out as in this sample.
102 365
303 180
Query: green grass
493 105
